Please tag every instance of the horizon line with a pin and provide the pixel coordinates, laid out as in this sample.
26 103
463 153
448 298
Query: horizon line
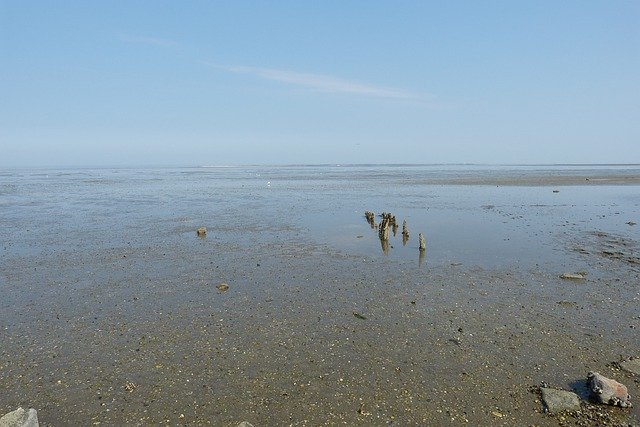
332 164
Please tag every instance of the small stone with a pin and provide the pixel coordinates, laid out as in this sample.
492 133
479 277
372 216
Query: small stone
223 287
20 418
359 316
202 231
608 391
559 400
574 276
631 365
245 424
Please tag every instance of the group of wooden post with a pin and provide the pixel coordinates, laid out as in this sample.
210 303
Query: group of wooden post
389 222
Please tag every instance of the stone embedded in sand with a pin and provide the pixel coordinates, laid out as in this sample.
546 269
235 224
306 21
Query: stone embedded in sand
573 276
20 418
559 400
608 391
631 365
423 243
202 231
223 287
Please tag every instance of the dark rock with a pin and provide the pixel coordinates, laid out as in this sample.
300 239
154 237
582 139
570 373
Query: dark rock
559 400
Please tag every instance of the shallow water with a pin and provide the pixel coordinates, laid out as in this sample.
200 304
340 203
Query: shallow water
481 225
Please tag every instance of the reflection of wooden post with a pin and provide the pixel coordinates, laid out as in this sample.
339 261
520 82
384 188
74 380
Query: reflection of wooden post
383 231
421 257
423 243
385 246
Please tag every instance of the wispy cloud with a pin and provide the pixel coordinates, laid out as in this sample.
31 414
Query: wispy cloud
319 82
128 38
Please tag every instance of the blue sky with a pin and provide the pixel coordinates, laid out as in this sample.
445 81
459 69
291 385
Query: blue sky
240 82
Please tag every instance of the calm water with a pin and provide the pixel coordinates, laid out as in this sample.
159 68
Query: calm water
45 211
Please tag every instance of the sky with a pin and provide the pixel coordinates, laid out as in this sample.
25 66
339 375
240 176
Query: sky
188 83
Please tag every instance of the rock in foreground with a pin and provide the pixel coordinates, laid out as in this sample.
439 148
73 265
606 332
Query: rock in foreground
559 400
608 391
20 418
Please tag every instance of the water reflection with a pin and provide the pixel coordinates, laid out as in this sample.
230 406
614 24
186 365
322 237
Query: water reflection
385 246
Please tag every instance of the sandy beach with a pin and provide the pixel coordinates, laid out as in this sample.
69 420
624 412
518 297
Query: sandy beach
111 312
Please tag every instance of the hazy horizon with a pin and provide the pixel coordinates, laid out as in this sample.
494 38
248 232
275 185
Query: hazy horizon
327 165
148 84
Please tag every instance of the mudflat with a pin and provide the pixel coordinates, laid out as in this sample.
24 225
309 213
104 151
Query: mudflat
113 309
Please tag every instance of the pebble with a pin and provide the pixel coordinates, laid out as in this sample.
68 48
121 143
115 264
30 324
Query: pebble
573 276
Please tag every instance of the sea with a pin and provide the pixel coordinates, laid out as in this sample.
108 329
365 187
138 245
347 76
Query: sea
526 220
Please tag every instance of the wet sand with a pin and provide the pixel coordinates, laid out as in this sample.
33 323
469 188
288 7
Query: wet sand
109 325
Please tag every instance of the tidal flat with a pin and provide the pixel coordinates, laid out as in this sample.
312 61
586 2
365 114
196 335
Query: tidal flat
112 313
